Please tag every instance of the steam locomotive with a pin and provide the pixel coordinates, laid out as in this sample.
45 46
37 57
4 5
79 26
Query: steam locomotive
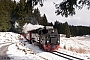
47 38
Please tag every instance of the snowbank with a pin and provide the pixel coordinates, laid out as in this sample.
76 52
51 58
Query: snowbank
79 45
9 37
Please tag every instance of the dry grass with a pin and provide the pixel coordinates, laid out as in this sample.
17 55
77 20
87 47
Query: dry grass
25 50
79 50
64 47
43 58
88 51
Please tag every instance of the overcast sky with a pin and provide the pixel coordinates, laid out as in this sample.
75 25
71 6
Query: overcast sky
82 17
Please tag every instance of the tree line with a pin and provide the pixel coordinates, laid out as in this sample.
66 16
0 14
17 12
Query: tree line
70 30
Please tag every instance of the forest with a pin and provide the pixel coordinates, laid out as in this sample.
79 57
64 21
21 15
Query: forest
65 28
24 12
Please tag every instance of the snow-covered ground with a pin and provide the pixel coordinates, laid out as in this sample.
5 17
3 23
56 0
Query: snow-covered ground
17 48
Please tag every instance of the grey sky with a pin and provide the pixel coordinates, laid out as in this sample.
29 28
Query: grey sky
82 17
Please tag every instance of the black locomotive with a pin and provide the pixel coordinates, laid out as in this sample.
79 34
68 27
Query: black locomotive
47 38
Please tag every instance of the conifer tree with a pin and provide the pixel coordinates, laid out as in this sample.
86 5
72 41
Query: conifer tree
44 20
67 30
57 26
5 10
37 15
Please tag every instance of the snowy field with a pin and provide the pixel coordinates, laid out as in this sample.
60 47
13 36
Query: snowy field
14 47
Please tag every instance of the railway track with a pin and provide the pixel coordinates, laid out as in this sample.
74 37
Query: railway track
66 56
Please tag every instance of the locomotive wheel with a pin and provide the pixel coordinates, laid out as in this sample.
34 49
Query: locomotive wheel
41 46
30 41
